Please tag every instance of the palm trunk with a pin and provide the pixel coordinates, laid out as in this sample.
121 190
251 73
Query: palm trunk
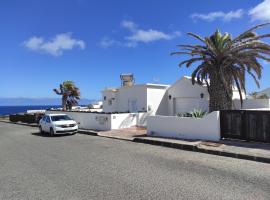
219 98
64 103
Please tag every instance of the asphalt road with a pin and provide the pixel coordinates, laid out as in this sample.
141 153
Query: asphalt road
89 167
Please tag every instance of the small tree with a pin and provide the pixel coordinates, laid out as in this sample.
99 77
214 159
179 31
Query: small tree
70 94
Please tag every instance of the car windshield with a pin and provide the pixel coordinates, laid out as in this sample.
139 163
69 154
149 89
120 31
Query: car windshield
60 118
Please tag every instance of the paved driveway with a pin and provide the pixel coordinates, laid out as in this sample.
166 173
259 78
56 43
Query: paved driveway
88 167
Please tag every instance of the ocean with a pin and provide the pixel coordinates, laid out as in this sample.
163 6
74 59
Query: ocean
7 110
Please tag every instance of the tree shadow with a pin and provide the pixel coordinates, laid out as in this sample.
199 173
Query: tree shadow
47 135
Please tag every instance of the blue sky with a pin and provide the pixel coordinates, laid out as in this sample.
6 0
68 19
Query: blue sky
44 42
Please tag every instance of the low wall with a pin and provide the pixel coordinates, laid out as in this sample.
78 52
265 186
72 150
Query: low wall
207 128
103 122
124 120
91 121
252 104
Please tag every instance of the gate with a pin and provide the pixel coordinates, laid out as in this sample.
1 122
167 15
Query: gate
247 125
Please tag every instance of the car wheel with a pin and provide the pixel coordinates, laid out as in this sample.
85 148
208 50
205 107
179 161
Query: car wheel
40 130
51 132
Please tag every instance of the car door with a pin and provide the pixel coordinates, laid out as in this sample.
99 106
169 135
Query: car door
42 122
47 124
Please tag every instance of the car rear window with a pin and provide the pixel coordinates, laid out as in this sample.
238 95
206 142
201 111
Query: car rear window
60 118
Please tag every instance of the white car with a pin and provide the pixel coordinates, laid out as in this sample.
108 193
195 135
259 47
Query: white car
57 123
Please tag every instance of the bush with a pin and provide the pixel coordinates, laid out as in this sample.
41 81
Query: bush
13 118
26 118
196 113
29 118
184 114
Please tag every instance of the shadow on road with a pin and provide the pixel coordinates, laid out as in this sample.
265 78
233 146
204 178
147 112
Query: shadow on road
47 135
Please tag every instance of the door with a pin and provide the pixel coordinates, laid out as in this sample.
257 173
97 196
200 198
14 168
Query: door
132 105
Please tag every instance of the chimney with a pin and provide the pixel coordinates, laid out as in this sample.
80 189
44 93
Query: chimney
127 80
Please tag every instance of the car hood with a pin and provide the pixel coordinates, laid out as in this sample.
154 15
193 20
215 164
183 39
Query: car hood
66 122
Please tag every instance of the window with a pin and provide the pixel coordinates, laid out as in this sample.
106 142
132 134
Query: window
110 102
44 118
60 118
104 98
48 119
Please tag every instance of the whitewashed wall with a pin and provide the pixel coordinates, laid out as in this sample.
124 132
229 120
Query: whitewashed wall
124 120
155 100
207 128
103 122
91 121
110 95
183 90
128 94
252 104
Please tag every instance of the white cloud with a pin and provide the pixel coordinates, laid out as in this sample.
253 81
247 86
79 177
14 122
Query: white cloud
108 42
145 36
56 45
150 36
129 25
261 12
137 35
219 15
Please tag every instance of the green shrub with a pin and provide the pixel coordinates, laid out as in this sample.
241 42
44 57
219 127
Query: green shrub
186 114
29 118
196 113
13 118
26 118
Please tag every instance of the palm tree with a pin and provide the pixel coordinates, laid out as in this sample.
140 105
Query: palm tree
223 61
70 94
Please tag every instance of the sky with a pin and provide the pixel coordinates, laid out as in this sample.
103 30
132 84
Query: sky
91 42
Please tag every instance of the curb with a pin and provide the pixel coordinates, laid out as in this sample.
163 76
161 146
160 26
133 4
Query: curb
188 147
86 132
116 138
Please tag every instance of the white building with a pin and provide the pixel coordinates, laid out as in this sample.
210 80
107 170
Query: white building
183 97
134 98
157 99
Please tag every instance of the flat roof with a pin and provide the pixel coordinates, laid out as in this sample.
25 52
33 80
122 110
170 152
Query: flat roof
56 114
150 85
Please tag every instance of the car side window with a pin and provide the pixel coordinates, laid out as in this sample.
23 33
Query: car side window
48 119
44 118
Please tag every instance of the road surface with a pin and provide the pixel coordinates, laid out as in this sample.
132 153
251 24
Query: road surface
76 167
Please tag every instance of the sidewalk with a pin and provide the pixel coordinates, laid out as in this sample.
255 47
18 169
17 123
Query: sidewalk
236 149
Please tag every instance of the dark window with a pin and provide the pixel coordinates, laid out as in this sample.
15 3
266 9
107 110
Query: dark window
110 102
48 119
202 95
44 118
104 98
60 118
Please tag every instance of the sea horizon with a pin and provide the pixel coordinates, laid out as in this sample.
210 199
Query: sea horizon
13 109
